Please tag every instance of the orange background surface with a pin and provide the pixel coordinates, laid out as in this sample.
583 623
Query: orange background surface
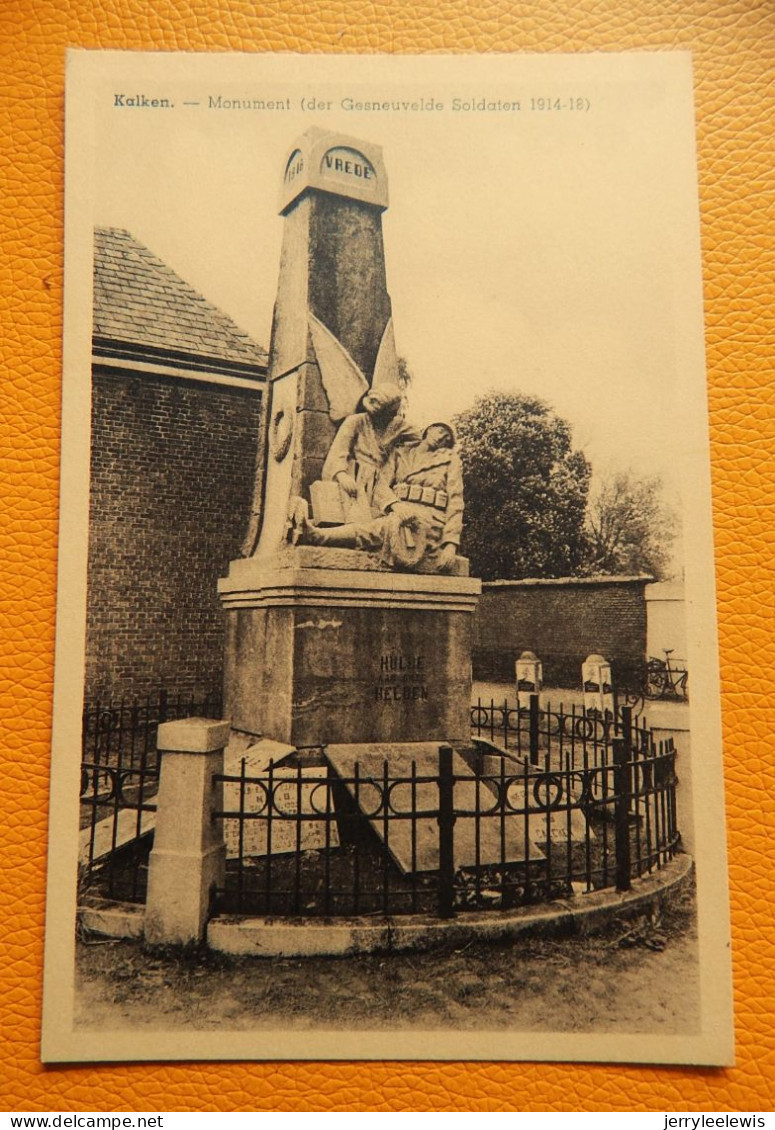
734 53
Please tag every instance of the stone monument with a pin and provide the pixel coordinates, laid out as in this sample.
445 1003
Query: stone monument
350 614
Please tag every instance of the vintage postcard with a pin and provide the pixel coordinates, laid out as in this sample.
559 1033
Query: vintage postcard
386 710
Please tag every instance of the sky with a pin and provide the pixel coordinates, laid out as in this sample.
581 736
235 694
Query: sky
546 251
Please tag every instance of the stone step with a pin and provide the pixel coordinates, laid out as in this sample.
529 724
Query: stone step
126 829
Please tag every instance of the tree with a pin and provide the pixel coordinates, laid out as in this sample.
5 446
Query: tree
630 528
526 489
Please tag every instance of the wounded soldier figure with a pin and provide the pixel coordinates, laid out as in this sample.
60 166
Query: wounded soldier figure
362 447
419 496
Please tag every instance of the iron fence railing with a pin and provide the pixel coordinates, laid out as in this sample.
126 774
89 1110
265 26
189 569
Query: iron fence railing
470 832
119 782
571 734
543 804
126 730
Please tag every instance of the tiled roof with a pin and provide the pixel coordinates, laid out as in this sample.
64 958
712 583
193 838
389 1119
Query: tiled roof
139 300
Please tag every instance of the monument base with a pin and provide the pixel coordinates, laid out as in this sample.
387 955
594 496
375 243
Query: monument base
318 655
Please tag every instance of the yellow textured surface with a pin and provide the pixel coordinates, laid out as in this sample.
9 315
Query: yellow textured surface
734 50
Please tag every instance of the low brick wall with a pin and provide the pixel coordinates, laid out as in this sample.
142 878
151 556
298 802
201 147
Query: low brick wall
562 621
172 472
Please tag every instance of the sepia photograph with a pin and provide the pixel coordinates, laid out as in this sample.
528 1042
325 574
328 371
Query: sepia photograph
386 711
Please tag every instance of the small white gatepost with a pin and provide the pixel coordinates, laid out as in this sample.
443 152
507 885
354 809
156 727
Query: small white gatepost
529 677
597 684
189 856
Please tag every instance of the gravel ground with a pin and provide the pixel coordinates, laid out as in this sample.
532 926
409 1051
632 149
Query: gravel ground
636 976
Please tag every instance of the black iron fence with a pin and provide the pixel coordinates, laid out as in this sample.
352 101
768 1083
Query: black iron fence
543 804
574 734
119 782
464 831
126 731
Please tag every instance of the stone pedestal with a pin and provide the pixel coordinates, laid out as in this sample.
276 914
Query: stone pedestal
325 645
323 655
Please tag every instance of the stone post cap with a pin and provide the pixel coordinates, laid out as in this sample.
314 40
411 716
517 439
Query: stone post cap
193 735
334 162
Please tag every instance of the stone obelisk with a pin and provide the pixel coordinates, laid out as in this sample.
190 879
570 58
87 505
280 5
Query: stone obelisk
327 645
332 331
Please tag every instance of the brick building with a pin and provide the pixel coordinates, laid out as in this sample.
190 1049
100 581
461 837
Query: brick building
176 391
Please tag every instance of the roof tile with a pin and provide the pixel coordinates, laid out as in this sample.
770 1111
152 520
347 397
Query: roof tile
138 298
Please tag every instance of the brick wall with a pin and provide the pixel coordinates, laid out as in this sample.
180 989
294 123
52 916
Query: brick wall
172 469
562 622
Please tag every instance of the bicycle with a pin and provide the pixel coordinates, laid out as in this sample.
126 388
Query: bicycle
665 681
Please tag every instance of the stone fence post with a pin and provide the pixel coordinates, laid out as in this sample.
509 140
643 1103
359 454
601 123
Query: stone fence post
189 856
